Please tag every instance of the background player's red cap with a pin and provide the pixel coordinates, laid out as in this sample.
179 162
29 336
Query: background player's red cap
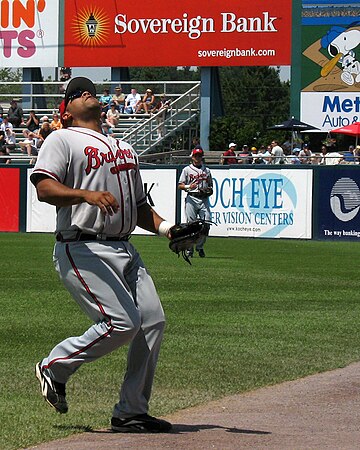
197 151
81 84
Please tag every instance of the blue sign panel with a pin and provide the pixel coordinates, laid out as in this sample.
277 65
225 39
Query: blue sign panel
338 203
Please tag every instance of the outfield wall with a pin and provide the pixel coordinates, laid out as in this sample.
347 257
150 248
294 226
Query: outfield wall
314 202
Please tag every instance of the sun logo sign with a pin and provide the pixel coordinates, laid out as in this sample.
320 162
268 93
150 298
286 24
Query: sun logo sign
91 27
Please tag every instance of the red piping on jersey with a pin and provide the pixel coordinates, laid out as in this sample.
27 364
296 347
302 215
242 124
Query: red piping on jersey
122 201
115 170
131 204
100 306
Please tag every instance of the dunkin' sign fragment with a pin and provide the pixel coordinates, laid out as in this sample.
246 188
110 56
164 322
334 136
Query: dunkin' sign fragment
29 33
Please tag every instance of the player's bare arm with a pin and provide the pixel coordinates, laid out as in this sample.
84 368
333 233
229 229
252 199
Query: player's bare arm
55 193
149 220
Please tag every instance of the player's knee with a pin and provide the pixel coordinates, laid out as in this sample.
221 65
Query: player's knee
125 332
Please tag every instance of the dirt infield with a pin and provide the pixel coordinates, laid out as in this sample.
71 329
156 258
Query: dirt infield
317 412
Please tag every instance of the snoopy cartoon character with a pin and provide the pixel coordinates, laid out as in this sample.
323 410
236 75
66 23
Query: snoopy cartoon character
340 43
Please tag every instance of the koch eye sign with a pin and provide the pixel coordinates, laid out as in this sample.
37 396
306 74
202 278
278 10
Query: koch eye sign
338 204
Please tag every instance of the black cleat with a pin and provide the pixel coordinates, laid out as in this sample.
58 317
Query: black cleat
139 424
52 391
201 253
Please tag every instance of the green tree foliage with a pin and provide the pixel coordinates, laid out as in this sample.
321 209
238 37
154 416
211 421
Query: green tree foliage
254 99
162 74
10 75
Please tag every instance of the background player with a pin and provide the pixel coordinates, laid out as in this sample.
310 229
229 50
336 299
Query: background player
196 180
95 183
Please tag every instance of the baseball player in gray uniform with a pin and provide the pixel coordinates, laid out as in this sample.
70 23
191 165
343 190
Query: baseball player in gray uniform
196 180
95 183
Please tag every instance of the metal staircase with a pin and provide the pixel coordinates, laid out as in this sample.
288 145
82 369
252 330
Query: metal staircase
150 134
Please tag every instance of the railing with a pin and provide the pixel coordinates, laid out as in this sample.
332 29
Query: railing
162 125
45 96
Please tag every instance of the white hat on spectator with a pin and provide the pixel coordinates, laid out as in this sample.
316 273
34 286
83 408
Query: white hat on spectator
44 119
232 144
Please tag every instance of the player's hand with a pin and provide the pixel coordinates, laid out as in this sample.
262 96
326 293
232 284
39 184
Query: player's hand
104 200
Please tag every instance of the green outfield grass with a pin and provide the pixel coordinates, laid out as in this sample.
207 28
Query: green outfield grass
252 313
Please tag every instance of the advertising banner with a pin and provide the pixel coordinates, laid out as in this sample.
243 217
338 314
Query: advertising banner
338 204
160 188
29 33
40 216
262 203
330 65
159 185
188 33
9 199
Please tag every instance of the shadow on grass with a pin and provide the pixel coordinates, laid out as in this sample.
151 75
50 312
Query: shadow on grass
177 429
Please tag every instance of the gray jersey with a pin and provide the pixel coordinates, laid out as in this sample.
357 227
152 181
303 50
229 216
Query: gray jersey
199 175
84 159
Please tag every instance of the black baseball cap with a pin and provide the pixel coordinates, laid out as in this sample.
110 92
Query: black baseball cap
79 84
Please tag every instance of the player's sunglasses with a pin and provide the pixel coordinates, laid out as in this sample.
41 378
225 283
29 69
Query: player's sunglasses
75 94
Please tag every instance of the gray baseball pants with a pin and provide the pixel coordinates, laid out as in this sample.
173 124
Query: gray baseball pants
111 285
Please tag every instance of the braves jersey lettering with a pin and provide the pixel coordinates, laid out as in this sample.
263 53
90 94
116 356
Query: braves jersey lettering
97 158
199 175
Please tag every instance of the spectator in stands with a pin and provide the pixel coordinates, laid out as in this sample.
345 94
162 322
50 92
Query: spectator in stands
244 156
65 75
105 100
266 155
162 107
333 157
277 152
357 154
33 122
15 114
119 99
5 124
9 140
55 124
260 155
44 119
3 153
132 101
28 146
106 129
349 155
323 153
147 103
295 159
229 156
2 138
1 112
253 154
305 154
43 133
112 115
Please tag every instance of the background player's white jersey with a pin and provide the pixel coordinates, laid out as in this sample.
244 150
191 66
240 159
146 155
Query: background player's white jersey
84 159
199 175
